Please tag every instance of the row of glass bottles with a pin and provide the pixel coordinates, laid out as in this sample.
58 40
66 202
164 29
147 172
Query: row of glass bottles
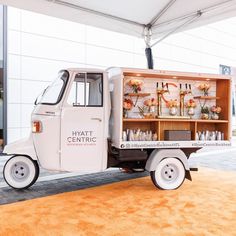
139 135
209 135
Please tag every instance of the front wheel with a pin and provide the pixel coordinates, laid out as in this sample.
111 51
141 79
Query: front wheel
20 172
169 174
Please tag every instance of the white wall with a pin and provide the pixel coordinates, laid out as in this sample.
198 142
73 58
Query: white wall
38 46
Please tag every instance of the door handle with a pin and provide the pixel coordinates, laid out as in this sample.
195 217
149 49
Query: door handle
98 119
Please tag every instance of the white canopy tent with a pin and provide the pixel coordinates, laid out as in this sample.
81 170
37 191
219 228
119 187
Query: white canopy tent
150 19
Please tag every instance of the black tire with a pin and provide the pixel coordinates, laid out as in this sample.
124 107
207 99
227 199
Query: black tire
161 181
28 163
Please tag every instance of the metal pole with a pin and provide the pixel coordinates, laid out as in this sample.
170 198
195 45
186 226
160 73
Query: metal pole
4 74
197 15
149 56
228 3
162 12
75 6
148 49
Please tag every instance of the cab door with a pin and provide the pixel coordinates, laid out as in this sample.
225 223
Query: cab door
82 124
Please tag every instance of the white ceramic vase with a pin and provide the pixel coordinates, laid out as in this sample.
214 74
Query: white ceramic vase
191 111
215 116
173 111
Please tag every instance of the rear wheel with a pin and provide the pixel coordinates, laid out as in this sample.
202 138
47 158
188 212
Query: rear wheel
170 174
20 172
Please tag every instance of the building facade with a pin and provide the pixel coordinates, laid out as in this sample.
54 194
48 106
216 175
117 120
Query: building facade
3 74
38 46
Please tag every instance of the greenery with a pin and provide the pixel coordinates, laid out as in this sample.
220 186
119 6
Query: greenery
205 110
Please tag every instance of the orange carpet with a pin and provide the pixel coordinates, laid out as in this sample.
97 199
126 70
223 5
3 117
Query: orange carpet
206 206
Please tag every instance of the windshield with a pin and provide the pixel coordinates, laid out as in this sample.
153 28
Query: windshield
53 93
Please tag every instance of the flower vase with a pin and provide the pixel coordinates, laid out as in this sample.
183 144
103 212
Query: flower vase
191 111
173 111
204 116
215 116
125 113
152 111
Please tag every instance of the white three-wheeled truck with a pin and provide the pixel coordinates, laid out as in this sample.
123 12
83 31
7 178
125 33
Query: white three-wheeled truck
80 123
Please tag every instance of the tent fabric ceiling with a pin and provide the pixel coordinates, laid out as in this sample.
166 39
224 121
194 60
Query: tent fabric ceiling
131 17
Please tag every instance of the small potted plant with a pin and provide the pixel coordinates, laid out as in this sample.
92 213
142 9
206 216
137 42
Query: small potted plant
204 87
190 105
127 106
216 110
172 105
205 113
135 84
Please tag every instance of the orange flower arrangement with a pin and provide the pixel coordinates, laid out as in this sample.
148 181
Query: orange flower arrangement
191 104
216 109
127 104
172 103
135 84
204 87
150 102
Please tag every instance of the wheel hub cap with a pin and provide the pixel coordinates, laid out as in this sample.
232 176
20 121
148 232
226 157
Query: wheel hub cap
20 171
169 172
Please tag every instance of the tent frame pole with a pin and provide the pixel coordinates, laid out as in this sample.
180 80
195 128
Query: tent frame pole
98 13
198 14
162 12
148 49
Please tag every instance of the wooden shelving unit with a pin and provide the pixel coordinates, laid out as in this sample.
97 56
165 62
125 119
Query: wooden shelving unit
206 97
137 94
159 125
173 120
212 121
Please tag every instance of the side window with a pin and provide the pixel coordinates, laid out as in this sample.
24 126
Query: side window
77 92
87 89
95 90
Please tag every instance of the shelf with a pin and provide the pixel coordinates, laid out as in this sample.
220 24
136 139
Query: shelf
175 117
212 121
174 120
137 94
177 120
206 97
138 120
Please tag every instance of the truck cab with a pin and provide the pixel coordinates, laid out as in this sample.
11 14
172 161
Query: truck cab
74 115
69 124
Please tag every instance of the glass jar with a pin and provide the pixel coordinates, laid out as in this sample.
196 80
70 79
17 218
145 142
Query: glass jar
215 116
191 111
173 111
204 116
